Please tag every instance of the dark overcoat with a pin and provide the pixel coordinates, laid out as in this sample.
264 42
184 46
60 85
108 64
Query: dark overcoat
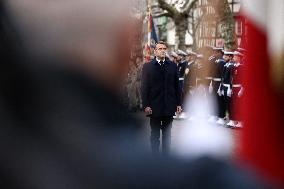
160 87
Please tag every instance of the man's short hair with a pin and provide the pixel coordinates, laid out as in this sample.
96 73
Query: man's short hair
161 42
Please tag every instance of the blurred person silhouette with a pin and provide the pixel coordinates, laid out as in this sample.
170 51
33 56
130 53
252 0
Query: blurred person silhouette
62 125
61 119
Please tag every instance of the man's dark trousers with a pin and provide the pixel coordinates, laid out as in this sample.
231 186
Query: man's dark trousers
164 124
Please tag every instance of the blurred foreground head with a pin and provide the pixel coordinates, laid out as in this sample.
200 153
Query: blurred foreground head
91 35
61 129
58 130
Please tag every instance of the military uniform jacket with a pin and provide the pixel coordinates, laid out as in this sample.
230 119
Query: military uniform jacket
220 63
181 68
227 73
236 77
160 87
190 76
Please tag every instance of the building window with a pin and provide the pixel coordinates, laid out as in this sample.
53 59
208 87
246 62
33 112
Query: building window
234 5
239 27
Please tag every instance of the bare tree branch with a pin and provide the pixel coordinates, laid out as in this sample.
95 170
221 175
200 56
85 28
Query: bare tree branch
190 33
185 4
199 21
190 7
171 9
162 14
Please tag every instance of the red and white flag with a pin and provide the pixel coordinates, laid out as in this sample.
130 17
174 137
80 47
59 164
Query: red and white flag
262 140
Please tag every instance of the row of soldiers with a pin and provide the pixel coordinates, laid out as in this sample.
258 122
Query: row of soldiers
218 72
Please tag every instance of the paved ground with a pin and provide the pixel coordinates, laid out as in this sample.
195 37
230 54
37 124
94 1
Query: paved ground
179 125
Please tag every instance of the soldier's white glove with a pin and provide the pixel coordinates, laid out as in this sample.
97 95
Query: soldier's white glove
241 92
186 71
210 88
219 92
229 92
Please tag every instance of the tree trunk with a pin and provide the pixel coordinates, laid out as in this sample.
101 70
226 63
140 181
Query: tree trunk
228 26
194 43
181 28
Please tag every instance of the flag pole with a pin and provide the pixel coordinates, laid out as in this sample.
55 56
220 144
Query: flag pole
149 22
149 30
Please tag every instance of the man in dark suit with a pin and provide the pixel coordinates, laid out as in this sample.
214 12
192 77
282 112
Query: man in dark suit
62 126
161 94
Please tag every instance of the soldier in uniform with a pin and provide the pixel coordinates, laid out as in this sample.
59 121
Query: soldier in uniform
205 69
189 78
237 90
209 68
182 63
218 63
199 69
173 57
225 91
190 74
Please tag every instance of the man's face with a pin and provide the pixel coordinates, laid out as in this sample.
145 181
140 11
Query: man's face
237 59
160 51
175 60
227 58
171 58
217 53
179 58
190 58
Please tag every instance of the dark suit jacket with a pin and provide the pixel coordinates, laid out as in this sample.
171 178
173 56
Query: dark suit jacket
160 88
